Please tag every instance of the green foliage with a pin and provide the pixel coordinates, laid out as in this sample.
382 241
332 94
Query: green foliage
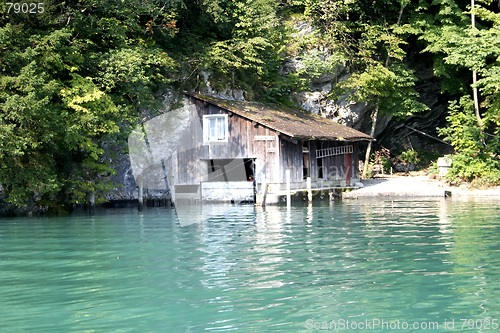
433 168
427 157
391 88
469 165
472 160
253 53
409 156
463 49
370 38
486 180
315 63
91 177
79 76
462 132
232 55
369 173
386 164
71 80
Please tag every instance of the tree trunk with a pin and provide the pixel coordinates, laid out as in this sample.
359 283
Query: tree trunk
375 111
372 133
476 100
474 76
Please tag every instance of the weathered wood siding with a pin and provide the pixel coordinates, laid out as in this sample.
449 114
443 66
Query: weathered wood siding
291 158
313 146
355 161
192 154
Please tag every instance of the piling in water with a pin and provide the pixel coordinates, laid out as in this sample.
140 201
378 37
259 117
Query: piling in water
309 190
140 200
91 201
288 191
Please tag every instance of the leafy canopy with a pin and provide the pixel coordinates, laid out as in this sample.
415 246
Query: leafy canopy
71 80
464 48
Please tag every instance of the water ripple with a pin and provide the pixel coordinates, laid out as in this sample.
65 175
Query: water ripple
251 270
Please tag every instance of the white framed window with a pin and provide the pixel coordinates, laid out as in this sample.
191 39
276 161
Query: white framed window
215 128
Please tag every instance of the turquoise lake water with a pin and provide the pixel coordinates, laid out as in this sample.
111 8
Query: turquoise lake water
419 262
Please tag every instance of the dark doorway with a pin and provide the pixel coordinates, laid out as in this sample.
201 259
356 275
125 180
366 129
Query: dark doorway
319 161
231 170
306 161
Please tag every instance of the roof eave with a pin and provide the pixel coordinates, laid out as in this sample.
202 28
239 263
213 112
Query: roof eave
330 138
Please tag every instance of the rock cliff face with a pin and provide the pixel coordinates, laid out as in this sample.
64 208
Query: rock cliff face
31 208
352 114
147 145
398 133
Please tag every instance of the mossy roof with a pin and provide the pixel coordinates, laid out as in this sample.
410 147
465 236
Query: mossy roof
293 122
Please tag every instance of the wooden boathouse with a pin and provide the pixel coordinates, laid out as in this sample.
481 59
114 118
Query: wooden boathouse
241 145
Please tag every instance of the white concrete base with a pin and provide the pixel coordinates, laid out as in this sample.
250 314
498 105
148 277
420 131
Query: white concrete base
227 191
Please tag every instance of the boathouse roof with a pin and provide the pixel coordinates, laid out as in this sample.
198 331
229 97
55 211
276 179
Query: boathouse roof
293 122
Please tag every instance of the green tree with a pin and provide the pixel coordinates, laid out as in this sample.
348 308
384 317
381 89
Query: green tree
72 79
372 38
251 56
474 128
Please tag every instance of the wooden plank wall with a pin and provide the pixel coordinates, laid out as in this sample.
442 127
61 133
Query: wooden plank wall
355 161
313 146
291 157
241 145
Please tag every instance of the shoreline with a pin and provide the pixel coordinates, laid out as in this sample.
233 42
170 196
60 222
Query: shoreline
414 186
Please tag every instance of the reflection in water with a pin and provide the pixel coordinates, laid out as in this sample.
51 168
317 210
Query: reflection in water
252 269
473 249
218 231
444 217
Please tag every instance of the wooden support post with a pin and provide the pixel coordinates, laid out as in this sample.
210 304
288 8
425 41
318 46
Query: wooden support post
309 190
261 196
140 197
91 201
264 189
288 192
168 200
